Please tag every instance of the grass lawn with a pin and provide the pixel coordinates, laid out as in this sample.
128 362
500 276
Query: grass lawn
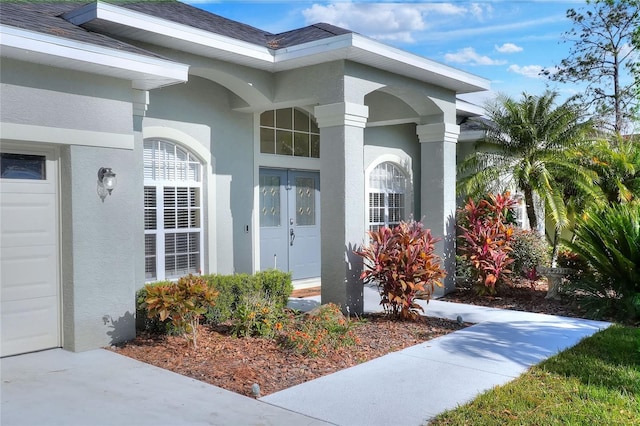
596 382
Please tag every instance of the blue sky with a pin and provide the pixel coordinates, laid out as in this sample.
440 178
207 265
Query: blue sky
507 42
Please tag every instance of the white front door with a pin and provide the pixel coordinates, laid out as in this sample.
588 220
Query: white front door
29 274
290 222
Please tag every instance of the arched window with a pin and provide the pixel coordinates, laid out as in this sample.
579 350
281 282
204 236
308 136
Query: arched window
387 196
172 211
289 131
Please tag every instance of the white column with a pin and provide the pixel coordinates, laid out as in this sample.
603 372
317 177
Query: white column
438 191
342 201
140 102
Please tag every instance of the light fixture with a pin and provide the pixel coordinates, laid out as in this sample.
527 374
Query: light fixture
106 182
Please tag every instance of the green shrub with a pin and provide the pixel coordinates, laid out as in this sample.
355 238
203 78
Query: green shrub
316 332
183 302
529 249
609 240
257 314
402 263
274 285
231 289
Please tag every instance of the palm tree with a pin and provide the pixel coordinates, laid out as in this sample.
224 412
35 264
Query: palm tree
534 147
617 163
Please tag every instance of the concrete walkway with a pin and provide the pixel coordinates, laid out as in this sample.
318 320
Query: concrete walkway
413 385
403 388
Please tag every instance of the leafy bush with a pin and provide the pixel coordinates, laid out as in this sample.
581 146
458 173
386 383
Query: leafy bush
485 239
257 315
401 262
272 284
609 240
182 302
529 249
143 322
315 332
464 268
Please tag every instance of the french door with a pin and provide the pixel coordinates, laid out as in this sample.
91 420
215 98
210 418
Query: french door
290 221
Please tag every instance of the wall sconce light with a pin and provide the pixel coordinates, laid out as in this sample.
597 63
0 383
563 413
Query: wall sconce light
106 182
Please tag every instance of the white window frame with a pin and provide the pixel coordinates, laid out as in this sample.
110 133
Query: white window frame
179 177
292 129
396 162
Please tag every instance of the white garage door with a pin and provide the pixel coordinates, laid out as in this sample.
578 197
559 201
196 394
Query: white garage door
29 266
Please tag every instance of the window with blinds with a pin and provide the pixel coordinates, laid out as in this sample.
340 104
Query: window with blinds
172 211
387 196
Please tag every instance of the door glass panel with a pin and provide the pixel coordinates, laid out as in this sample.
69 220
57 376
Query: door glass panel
305 201
269 200
22 166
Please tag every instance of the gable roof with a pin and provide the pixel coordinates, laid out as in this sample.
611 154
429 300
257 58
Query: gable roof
46 18
185 14
36 32
169 23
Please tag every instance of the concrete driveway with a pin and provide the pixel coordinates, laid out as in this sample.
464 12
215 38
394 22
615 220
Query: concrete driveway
100 387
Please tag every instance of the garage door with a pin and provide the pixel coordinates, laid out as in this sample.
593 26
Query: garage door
29 266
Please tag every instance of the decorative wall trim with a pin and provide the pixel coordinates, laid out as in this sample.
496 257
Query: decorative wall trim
438 132
63 136
341 114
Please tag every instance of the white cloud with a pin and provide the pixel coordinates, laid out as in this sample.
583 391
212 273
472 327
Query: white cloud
468 55
389 21
480 10
508 48
531 71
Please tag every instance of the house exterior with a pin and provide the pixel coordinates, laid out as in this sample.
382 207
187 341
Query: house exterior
234 150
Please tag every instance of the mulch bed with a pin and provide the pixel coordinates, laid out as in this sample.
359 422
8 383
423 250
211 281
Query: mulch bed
236 364
524 295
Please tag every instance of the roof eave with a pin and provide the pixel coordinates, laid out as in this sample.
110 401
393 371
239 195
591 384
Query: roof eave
357 48
144 72
126 23
119 21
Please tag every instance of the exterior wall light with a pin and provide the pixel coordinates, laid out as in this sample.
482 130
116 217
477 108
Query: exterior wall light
106 182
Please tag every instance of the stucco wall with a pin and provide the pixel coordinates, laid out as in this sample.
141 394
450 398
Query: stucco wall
200 109
100 241
395 143
47 96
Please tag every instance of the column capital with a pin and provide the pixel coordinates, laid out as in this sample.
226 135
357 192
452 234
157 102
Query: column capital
341 114
438 132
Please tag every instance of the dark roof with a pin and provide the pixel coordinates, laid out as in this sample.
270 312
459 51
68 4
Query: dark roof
185 14
475 123
304 35
45 18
